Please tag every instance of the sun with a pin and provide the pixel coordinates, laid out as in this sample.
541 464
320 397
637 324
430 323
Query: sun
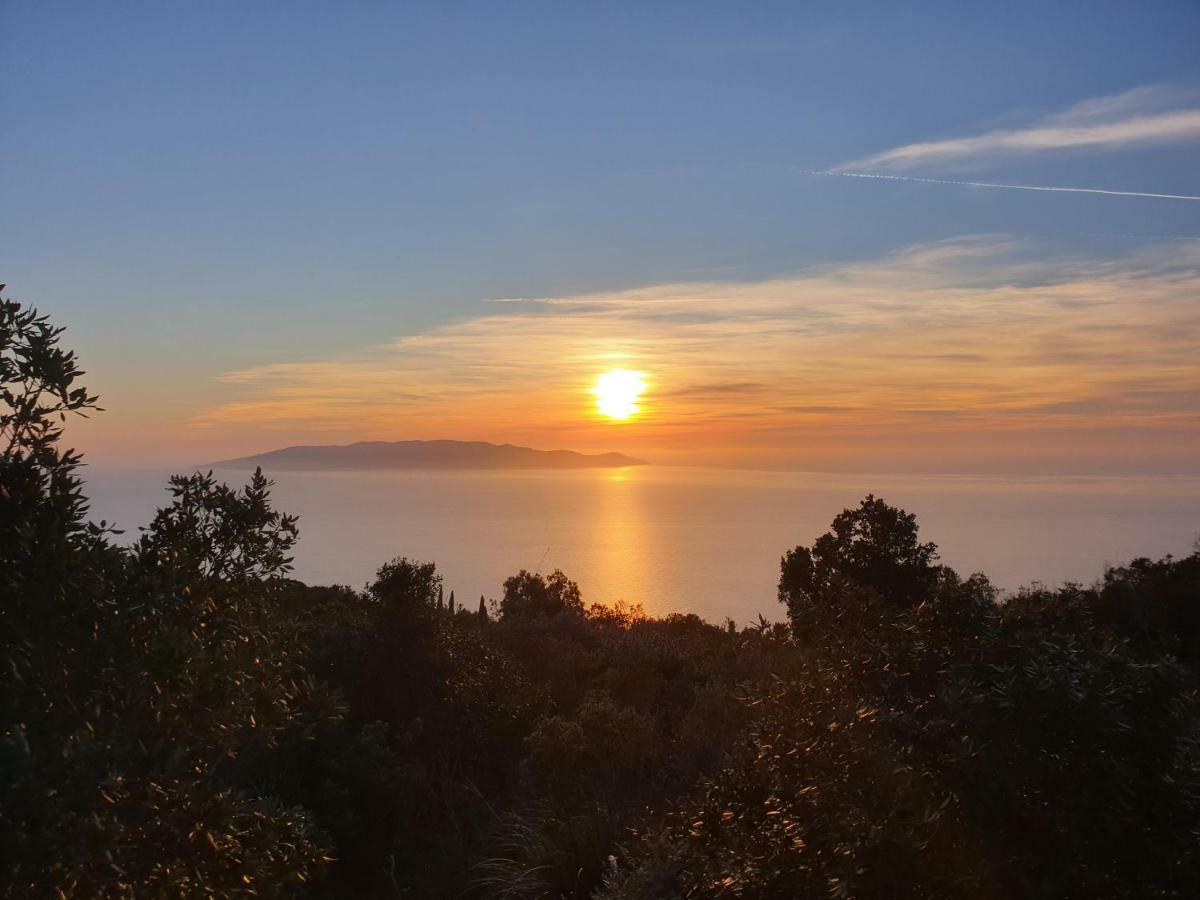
617 392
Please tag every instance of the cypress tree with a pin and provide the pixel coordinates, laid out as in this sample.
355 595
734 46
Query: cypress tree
482 609
451 605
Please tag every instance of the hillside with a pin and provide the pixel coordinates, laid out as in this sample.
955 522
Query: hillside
426 455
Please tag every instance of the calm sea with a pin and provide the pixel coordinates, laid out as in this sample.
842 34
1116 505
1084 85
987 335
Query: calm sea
688 539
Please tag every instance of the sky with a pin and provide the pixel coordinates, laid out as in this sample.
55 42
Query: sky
835 236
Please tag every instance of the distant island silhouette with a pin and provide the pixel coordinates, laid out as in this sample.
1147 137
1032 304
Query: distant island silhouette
426 455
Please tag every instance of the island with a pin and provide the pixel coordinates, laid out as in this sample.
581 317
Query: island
425 455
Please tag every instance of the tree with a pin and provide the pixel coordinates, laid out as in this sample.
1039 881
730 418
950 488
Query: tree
874 546
144 693
483 613
49 559
42 508
212 532
405 584
450 604
534 594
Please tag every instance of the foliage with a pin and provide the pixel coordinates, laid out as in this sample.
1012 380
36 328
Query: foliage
42 507
405 584
875 546
146 692
534 594
953 748
212 533
181 719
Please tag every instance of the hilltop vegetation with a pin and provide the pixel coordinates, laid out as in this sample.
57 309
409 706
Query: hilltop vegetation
178 718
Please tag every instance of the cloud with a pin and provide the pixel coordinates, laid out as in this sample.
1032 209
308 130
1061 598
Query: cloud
1133 118
708 390
970 334
1010 187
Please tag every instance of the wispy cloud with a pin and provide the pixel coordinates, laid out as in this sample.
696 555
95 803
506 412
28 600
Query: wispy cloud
967 335
1133 118
1007 186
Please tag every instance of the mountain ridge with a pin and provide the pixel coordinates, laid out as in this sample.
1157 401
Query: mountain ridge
436 454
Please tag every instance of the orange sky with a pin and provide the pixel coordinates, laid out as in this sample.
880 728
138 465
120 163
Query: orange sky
962 355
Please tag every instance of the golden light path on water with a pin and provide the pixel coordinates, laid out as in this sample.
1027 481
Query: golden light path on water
687 539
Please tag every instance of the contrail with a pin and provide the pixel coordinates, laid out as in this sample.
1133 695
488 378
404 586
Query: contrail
992 184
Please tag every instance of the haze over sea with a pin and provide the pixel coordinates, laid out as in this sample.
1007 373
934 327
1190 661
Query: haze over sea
687 539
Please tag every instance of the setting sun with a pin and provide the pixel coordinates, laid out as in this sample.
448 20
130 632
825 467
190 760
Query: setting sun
617 393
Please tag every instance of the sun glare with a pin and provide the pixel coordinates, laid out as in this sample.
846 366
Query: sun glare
617 393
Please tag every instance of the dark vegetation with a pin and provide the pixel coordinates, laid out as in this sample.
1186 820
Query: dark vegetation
179 719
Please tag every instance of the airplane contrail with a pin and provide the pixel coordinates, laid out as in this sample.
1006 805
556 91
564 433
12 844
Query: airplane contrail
993 184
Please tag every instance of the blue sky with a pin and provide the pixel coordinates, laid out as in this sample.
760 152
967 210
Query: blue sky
204 188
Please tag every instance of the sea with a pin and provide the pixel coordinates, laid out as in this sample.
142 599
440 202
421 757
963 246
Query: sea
706 541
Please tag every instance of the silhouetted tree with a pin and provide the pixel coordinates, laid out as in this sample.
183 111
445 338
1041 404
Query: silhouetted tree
874 546
405 584
450 604
42 507
144 688
533 594
1154 603
483 613
212 532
